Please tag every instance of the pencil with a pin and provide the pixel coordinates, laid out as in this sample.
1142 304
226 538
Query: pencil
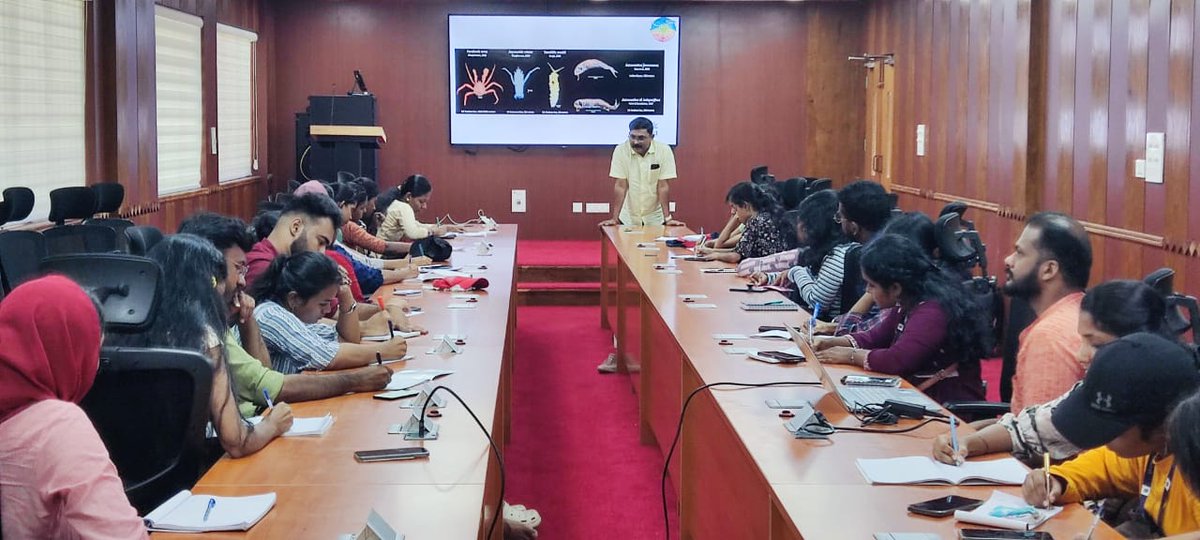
1046 470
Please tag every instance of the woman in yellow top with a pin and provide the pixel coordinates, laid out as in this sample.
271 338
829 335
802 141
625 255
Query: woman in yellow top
401 223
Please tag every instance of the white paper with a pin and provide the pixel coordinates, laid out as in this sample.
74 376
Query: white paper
185 512
408 378
460 306
693 296
670 271
701 306
740 350
730 337
406 292
464 296
718 270
773 334
304 427
924 470
982 514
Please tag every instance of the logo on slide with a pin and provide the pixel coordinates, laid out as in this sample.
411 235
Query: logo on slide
663 29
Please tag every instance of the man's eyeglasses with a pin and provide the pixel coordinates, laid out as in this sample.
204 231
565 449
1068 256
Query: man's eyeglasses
242 269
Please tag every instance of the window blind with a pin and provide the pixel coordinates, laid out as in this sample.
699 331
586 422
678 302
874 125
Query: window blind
235 102
42 97
178 88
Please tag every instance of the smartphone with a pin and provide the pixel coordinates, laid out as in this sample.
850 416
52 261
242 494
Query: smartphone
390 454
769 328
747 289
396 394
868 380
944 506
999 534
782 356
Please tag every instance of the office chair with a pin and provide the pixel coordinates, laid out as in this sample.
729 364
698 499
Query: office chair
1183 311
109 197
818 184
76 203
125 285
757 173
20 251
141 238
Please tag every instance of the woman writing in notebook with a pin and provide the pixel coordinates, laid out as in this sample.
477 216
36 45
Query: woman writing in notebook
935 336
400 222
56 479
756 207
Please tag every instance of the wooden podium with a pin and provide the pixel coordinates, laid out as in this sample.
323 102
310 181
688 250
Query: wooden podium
336 134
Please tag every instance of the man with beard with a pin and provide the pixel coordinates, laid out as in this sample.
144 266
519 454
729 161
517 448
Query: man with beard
642 169
307 223
1049 267
249 359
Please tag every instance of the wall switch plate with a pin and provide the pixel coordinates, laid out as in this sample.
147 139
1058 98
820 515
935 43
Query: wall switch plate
671 207
920 140
518 201
577 208
1156 151
596 208
1139 168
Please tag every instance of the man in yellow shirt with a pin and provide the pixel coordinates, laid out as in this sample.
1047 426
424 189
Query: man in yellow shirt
642 169
1130 388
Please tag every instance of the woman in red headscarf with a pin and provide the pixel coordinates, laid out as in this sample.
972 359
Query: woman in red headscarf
56 479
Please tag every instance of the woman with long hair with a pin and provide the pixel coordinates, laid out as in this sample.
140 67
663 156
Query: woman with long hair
371 273
1108 312
57 478
193 316
756 207
819 273
291 296
401 223
935 336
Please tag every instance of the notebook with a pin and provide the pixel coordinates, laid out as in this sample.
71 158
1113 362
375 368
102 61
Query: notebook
772 305
1003 503
185 513
304 427
408 378
924 470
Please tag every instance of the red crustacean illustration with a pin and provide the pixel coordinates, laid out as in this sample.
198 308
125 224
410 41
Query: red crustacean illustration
480 85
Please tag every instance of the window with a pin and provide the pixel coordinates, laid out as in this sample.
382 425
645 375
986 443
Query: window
42 97
180 107
235 102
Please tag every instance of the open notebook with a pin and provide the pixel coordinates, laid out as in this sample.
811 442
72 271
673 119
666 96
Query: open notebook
185 513
924 470
1007 511
304 427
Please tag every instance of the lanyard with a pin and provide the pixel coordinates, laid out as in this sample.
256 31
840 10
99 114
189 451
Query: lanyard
1147 480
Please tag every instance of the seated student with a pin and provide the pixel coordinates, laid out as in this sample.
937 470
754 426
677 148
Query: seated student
192 316
401 223
1108 312
306 223
819 273
291 296
56 479
934 338
1183 442
370 278
249 360
1119 412
355 235
755 206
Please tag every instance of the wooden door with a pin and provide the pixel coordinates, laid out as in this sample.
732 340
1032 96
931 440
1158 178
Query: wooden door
878 145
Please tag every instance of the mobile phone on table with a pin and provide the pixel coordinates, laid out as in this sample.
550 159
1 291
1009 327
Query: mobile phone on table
1001 534
747 289
770 328
782 356
390 454
869 380
944 506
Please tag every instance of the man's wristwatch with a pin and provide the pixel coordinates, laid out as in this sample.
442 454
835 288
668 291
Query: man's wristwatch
353 306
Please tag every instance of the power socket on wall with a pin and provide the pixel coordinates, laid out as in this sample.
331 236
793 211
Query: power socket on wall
518 201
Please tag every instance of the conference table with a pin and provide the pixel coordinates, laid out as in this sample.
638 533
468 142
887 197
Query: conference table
323 492
737 471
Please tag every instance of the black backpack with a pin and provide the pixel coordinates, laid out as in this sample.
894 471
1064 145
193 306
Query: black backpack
433 247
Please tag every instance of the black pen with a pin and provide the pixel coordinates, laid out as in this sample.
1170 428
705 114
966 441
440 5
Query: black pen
379 359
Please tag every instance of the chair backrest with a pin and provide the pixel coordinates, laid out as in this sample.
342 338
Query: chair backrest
150 407
71 203
118 226
82 238
109 196
1183 311
20 254
125 285
1161 280
757 173
818 184
142 238
19 201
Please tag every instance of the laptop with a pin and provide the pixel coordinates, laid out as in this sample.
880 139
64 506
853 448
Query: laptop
853 398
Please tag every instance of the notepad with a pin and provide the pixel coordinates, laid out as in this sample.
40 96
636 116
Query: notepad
408 378
185 513
772 305
304 427
924 470
718 270
406 292
773 334
983 515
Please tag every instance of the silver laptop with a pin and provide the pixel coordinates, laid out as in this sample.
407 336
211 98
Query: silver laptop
853 398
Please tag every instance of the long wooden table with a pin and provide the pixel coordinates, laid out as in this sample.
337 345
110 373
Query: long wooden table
737 471
322 491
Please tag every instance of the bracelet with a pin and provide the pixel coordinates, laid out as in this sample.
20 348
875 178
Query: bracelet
353 307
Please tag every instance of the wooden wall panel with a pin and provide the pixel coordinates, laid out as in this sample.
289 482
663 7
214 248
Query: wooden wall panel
765 83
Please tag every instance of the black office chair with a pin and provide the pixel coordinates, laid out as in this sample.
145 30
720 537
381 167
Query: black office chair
141 238
20 251
126 285
758 174
109 197
818 184
1183 311
76 203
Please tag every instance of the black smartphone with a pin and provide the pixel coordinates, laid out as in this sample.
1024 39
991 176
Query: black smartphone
747 289
1001 534
770 328
782 356
390 454
944 506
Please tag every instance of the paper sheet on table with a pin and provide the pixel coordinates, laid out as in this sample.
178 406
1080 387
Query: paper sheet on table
408 378
982 514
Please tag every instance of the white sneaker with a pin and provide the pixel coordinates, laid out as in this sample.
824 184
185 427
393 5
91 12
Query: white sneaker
609 365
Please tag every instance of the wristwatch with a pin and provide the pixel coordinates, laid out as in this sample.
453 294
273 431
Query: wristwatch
353 306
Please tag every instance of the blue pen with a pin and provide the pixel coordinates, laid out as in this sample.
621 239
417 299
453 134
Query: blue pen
954 438
211 503
270 404
812 321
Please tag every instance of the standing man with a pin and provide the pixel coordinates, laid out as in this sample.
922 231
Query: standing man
642 168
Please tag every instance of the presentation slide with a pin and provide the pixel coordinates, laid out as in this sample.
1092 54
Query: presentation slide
523 80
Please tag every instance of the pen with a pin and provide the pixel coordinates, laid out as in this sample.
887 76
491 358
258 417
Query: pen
270 404
1046 469
812 321
954 437
696 250
378 358
391 330
773 303
211 503
1092 529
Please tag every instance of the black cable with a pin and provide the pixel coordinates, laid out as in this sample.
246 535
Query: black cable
499 458
679 430
902 430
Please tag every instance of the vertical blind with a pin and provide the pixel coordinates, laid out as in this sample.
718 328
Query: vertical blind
178 89
235 102
41 97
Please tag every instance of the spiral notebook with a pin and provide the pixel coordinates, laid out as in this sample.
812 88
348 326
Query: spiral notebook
186 512
773 305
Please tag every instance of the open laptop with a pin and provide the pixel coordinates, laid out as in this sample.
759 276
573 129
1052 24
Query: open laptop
854 397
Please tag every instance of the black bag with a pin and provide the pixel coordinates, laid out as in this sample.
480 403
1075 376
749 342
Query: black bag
433 247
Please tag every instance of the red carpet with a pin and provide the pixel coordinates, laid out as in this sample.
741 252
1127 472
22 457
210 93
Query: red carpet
559 253
574 453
